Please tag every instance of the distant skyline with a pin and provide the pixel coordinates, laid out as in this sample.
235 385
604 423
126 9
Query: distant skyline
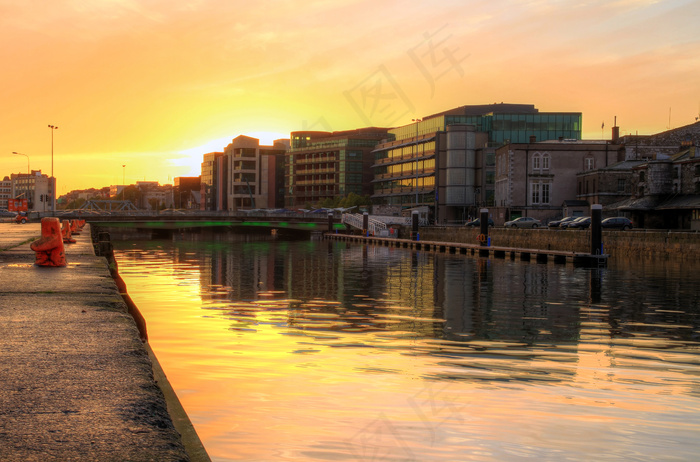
154 85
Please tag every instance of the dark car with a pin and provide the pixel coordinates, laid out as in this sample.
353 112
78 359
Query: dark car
579 223
617 223
7 213
477 222
558 223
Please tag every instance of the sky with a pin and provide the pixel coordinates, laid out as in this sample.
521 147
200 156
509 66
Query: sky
140 90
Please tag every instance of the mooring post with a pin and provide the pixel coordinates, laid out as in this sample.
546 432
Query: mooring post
330 222
365 224
414 225
484 221
596 229
484 234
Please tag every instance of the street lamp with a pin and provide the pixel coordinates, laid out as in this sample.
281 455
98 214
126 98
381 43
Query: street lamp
53 180
416 156
123 174
20 154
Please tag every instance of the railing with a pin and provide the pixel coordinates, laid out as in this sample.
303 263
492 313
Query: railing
374 227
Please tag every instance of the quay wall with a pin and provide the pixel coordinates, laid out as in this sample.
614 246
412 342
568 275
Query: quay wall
635 243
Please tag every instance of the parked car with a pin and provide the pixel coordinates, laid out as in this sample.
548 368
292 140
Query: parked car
579 223
477 222
7 213
558 223
523 222
617 223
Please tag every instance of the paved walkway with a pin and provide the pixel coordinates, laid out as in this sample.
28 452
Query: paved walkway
76 382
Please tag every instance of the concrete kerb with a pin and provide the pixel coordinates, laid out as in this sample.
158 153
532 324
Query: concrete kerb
66 335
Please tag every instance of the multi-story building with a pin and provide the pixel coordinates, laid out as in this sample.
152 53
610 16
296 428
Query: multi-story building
153 196
5 192
329 165
534 179
445 162
213 182
254 173
36 187
186 192
658 184
607 185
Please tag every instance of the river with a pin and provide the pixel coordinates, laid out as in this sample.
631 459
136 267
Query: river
324 350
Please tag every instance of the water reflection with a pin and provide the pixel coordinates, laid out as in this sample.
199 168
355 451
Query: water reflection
330 351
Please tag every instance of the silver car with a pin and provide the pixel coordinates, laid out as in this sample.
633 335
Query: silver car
523 222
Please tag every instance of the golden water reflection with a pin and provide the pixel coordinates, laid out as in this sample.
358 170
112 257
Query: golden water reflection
326 351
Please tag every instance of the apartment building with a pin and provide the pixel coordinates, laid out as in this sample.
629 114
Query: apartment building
253 175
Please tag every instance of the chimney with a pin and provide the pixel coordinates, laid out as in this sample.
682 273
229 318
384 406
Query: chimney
533 139
615 132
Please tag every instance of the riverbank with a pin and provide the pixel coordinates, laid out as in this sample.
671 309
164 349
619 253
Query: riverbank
618 244
77 381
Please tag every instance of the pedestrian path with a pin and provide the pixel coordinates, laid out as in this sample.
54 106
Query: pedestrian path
76 382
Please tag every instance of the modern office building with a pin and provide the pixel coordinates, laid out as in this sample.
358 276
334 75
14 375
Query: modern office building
254 174
329 165
444 164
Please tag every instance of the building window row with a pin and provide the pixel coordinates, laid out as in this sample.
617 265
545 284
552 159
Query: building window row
540 161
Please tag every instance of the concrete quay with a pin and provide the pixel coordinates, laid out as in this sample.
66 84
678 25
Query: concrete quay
76 381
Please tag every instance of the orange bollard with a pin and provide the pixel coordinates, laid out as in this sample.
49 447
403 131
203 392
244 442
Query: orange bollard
74 229
49 247
66 233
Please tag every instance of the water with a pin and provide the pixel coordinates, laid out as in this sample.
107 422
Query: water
318 350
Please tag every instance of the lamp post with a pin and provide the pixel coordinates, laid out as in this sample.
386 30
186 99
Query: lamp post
415 145
53 180
20 154
123 174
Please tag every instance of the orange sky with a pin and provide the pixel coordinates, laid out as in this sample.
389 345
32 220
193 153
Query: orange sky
153 85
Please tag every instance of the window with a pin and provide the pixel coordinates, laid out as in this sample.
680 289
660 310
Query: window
535 193
697 170
589 164
545 162
620 185
641 176
545 193
536 162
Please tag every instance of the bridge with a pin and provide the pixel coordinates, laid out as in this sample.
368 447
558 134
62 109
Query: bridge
191 219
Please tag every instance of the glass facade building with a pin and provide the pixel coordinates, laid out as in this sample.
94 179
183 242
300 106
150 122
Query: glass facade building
417 167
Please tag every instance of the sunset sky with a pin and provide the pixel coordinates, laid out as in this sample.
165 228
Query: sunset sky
155 84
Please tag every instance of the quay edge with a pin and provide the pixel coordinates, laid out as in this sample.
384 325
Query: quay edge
77 381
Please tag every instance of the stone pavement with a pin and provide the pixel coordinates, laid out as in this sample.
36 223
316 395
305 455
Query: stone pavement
76 382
